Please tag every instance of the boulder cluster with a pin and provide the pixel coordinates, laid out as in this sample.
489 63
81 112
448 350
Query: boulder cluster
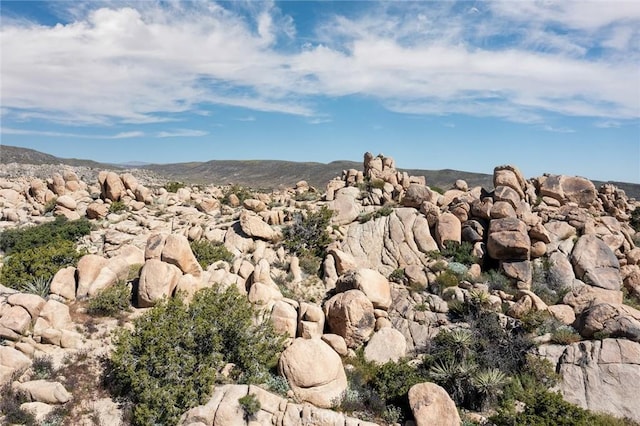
385 222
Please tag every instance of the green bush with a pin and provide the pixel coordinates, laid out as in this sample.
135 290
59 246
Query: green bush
308 235
21 239
398 276
459 252
393 380
173 186
250 405
446 279
565 336
239 191
111 301
208 252
117 207
175 353
22 268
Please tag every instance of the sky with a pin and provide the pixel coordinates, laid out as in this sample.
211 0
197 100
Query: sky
547 86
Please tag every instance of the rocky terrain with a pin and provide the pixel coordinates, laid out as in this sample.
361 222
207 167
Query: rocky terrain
562 247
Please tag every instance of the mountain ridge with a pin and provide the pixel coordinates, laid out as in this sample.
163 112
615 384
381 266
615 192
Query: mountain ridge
265 174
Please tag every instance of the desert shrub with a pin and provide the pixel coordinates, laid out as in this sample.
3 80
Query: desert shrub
307 196
278 384
545 284
393 380
27 267
61 229
111 301
497 280
239 191
545 409
42 367
208 252
250 405
459 252
438 266
446 279
169 362
50 205
310 264
398 276
635 219
381 212
437 189
565 335
308 235
173 186
117 207
10 407
630 299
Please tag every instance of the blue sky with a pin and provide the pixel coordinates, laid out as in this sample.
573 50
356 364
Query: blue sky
547 86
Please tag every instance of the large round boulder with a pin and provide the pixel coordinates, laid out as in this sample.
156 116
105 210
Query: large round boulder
432 405
372 283
595 263
314 372
350 315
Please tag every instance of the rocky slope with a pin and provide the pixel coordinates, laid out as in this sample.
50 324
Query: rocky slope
385 223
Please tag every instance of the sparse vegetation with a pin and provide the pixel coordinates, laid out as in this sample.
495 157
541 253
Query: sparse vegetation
307 237
459 252
34 268
111 301
250 405
208 252
117 207
173 186
168 363
242 193
398 276
381 212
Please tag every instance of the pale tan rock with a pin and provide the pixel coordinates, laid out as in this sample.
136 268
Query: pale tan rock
56 314
345 206
254 205
229 411
521 308
432 405
67 202
16 319
39 410
157 280
13 359
510 176
344 262
563 313
595 263
337 343
538 249
64 283
264 294
314 372
284 318
88 269
372 283
154 247
177 251
602 376
386 344
448 228
501 210
43 391
508 239
111 186
253 226
569 189
415 195
350 315
31 302
97 210
311 320
614 320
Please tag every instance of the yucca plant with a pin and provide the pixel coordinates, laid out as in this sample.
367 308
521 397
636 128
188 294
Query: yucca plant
455 377
39 286
488 384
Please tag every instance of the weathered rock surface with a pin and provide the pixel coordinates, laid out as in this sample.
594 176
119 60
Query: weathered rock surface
613 320
595 263
314 372
432 405
602 375
508 239
386 344
372 283
350 315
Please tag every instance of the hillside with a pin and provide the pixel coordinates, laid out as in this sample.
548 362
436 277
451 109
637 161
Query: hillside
264 174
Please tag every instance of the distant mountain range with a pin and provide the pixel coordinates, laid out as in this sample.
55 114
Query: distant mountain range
263 174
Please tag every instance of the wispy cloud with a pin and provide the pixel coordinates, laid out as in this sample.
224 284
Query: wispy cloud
557 129
181 133
247 118
319 120
607 124
142 62
26 132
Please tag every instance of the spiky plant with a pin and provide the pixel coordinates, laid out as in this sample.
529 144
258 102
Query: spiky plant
39 285
488 383
455 377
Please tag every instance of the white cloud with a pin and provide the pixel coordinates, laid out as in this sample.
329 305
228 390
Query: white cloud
181 133
28 132
121 62
549 128
607 124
